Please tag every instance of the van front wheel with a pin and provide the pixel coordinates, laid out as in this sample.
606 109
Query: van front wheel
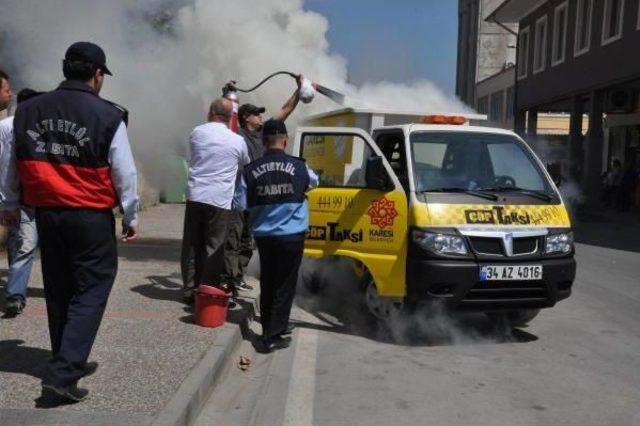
383 308
517 318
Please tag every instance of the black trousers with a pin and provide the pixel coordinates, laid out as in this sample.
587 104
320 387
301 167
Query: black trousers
280 259
205 232
79 265
238 248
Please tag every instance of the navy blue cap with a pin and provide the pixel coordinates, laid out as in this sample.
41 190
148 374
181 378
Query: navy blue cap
274 127
90 53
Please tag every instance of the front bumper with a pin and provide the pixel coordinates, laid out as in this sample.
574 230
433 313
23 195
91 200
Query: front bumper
457 283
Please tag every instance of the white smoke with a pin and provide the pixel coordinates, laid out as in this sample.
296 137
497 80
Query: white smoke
330 290
170 59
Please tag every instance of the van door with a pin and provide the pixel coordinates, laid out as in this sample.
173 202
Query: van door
359 209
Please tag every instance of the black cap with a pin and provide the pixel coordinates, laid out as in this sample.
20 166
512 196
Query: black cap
249 109
88 52
274 127
26 94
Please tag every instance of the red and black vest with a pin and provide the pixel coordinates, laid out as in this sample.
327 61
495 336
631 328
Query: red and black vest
62 141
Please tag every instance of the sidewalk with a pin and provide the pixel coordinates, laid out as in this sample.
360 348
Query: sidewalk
606 227
147 345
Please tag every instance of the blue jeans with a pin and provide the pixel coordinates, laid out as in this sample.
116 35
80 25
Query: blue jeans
21 249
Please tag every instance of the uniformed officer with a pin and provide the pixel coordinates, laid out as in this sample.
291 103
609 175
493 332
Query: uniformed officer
273 190
239 245
75 165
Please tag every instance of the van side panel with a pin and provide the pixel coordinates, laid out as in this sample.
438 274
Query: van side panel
366 225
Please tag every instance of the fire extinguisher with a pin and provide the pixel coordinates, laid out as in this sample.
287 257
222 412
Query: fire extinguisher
230 92
307 91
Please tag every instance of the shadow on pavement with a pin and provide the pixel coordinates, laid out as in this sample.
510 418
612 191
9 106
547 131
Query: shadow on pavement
18 359
151 249
35 292
161 287
608 229
31 292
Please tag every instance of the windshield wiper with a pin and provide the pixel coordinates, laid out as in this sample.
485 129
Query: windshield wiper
530 192
474 192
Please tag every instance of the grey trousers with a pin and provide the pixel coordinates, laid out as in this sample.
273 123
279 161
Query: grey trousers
238 248
204 236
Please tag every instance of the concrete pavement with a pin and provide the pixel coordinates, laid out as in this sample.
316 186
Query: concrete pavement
575 364
147 345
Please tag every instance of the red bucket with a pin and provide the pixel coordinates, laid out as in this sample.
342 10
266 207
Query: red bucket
211 306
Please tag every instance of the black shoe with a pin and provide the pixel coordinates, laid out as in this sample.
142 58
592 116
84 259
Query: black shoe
72 393
273 343
14 307
90 368
288 330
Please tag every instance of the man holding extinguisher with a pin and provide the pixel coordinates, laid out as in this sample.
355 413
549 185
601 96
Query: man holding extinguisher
239 245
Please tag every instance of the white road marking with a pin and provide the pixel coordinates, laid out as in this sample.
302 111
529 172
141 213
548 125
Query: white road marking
302 384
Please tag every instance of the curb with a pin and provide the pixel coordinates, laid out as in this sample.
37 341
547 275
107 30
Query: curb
185 405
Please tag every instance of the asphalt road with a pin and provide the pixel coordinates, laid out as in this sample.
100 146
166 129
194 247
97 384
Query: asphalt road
575 364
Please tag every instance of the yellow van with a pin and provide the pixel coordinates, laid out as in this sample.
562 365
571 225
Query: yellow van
437 209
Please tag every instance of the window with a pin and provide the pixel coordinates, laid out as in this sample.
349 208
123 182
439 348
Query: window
612 22
338 160
508 159
510 105
523 53
496 107
560 17
584 15
469 160
540 45
391 143
483 105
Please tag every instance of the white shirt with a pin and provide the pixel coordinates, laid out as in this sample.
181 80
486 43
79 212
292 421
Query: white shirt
124 175
9 195
123 172
217 154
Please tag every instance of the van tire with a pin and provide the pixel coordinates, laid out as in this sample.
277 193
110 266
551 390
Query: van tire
518 318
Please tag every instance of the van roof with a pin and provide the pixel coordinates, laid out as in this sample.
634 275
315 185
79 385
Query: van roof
448 128
341 111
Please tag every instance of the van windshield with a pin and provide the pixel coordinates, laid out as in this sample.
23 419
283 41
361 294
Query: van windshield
466 161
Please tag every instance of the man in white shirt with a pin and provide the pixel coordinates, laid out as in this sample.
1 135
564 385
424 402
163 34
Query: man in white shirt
216 155
22 238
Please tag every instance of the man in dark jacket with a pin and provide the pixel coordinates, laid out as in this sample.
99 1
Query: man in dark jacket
239 245
273 190
75 165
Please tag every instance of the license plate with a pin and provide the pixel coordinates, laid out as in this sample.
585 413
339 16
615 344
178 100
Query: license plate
510 273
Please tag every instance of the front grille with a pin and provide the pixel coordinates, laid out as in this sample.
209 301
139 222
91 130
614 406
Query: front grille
496 293
525 245
487 245
494 246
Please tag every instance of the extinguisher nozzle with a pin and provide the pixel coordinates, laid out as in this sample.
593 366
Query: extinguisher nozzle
331 94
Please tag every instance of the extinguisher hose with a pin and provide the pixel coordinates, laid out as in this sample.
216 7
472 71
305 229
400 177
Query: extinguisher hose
265 79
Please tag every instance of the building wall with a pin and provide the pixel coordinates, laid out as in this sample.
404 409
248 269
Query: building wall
468 18
496 45
602 66
484 48
499 87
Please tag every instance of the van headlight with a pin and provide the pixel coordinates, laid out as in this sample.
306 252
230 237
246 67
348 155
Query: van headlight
559 243
439 243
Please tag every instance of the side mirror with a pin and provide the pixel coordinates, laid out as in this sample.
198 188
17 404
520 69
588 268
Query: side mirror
376 175
555 171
